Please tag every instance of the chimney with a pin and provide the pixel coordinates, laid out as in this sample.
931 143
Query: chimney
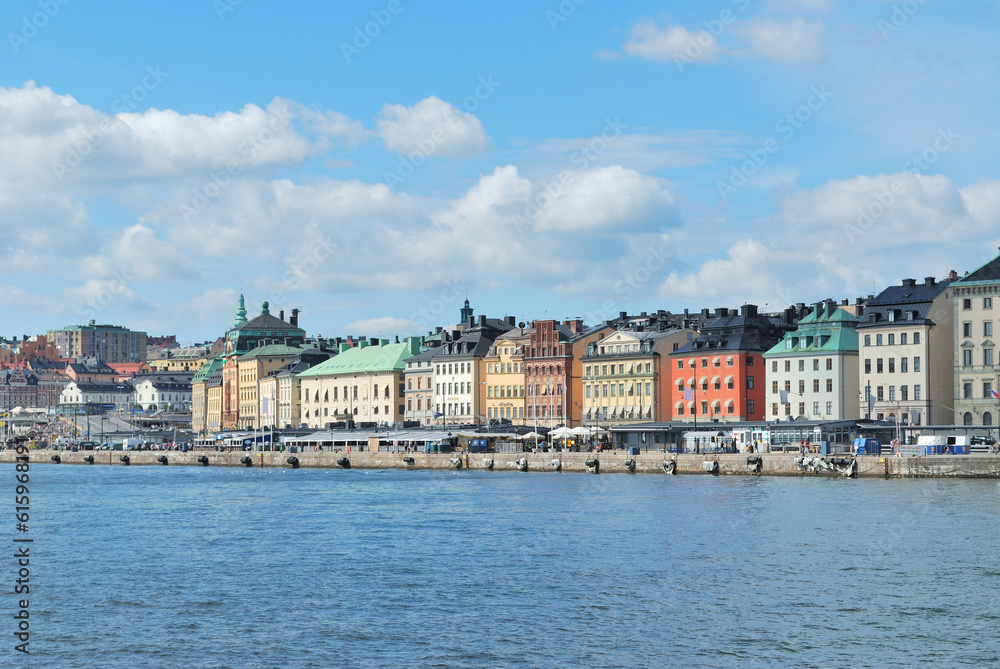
281 315
721 312
509 320
482 320
704 313
952 275
294 320
455 334
843 302
749 310
930 281
623 315
909 283
790 316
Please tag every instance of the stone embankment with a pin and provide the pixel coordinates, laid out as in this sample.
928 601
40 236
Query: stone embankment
613 462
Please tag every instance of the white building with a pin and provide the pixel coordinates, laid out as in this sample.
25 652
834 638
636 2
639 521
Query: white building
104 396
975 364
159 395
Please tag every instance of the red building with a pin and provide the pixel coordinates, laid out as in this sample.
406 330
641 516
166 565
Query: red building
720 375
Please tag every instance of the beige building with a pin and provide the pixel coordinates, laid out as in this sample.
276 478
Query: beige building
363 383
975 361
107 343
503 377
252 369
906 354
187 359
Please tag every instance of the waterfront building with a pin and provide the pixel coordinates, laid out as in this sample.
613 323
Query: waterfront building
109 343
127 371
419 376
52 379
199 396
503 375
720 375
906 354
181 359
975 365
285 387
363 383
252 369
813 371
626 375
459 387
18 388
90 370
162 394
83 396
213 401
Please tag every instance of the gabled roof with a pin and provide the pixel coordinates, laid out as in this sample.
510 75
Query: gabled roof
987 273
267 322
270 351
910 302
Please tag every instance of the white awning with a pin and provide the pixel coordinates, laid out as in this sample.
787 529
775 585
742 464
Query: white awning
729 403
729 379
628 370
704 380
628 387
716 379
691 381
679 405
716 361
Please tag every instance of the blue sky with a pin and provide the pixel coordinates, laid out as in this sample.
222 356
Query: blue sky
545 159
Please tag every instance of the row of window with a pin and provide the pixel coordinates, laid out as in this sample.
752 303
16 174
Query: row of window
505 368
903 365
802 365
891 339
716 409
460 388
967 357
505 412
802 409
336 394
967 303
504 391
904 393
716 362
420 382
619 390
802 386
602 370
455 409
453 368
987 329
717 385
967 390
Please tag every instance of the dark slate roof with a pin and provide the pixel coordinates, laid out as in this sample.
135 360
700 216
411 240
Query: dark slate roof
109 388
423 357
269 323
893 304
988 272
737 331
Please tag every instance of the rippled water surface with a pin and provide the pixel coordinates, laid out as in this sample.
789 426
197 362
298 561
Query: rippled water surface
206 567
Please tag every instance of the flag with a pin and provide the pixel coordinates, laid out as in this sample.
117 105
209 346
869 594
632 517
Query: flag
264 408
994 393
549 387
871 403
438 415
783 397
689 395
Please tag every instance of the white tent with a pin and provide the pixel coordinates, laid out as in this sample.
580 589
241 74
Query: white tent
561 433
581 431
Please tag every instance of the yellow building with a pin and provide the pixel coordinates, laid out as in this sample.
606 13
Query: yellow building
504 378
252 368
187 359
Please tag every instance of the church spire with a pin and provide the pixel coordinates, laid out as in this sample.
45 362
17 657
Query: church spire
241 313
466 312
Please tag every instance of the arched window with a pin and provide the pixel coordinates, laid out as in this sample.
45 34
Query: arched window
987 418
967 418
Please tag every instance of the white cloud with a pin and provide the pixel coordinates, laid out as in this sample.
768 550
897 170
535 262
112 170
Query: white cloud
795 42
672 42
431 127
833 241
647 152
800 5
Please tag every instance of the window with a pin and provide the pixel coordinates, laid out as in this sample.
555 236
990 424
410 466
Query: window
878 365
916 392
788 409
892 365
815 364
967 329
680 364
829 385
878 340
892 339
967 357
815 385
750 408
987 328
802 409
774 366
916 363
987 303
868 340
815 408
868 365
749 361
788 386
788 365
829 408
892 393
750 382
774 387
802 386
967 390
903 365
802 365
704 385
987 389
988 357
902 338
704 362
904 393
718 385
879 394
966 304
774 409
704 407
916 337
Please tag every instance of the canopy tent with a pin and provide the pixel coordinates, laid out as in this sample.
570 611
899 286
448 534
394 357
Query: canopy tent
561 433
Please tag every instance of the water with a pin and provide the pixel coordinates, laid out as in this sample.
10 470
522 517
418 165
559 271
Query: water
208 567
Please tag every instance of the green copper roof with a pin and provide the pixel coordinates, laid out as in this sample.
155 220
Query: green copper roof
827 329
270 350
367 360
207 369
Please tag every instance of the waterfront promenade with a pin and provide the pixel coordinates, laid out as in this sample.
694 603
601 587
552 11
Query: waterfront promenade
612 462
